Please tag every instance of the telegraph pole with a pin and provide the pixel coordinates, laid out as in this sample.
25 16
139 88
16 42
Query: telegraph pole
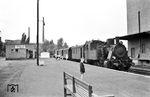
139 23
37 32
43 30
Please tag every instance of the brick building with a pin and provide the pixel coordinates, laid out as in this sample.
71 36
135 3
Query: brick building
16 50
138 30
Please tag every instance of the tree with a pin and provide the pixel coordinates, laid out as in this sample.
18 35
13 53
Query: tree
45 46
52 47
60 43
65 45
23 39
28 40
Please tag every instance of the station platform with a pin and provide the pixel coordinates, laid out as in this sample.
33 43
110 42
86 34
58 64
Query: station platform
47 80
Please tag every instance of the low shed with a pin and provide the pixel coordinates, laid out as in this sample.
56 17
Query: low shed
20 51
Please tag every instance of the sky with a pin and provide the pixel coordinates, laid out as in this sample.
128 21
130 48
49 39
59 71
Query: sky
76 21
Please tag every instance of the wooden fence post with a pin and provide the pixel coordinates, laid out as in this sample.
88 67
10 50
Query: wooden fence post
65 83
73 85
90 91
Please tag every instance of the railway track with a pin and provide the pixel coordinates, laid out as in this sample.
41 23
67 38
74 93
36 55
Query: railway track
138 70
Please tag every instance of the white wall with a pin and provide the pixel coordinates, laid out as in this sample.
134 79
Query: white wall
133 6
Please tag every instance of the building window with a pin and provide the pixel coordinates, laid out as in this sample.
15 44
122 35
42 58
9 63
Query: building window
16 50
142 48
132 52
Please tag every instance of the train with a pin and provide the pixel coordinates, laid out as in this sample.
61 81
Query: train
110 54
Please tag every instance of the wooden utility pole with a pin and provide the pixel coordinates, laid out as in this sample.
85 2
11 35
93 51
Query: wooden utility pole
139 23
43 30
37 32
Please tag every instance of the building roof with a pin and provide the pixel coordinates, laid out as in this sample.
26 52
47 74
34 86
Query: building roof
135 36
18 42
13 41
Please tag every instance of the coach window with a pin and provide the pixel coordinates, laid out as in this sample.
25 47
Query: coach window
86 47
91 46
76 50
73 51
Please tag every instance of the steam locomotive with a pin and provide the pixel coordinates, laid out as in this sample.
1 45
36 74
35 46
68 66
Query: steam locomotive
114 56
111 54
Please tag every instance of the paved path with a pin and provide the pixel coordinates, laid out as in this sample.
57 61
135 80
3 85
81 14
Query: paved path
3 63
42 81
47 81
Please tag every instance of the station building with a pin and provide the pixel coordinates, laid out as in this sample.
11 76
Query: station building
15 50
138 31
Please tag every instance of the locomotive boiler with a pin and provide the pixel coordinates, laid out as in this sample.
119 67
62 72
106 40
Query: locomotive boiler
114 56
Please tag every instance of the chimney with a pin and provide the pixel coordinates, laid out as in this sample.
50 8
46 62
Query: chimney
28 34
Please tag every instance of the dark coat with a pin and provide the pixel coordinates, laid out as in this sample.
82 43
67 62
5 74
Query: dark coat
82 68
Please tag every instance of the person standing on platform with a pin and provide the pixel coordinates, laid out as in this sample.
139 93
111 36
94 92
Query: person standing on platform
82 68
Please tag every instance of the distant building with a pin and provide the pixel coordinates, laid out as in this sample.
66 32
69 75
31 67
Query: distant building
16 50
138 29
45 55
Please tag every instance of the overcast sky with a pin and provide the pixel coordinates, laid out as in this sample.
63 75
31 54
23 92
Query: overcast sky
74 20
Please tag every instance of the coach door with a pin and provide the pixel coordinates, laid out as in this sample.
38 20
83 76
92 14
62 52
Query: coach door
70 54
86 52
81 52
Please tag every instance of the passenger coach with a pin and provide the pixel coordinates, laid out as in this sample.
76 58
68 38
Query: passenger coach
77 52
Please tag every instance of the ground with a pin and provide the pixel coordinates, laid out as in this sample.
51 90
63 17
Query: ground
47 81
